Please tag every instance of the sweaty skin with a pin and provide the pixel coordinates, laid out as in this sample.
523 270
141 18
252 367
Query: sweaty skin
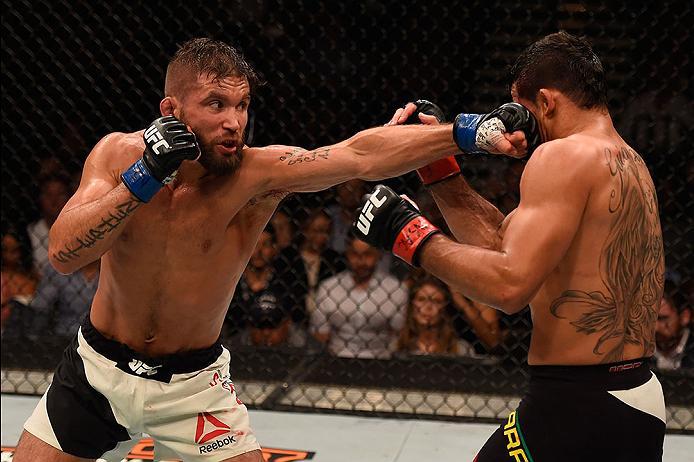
169 267
584 247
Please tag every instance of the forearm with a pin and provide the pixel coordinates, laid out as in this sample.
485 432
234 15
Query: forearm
83 234
385 152
487 331
471 218
480 274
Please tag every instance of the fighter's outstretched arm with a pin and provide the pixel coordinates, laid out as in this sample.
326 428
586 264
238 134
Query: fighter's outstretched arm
554 191
371 154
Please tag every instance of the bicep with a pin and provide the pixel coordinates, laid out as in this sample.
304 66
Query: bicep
553 199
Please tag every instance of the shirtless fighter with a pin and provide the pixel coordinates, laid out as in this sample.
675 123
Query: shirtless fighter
584 248
175 227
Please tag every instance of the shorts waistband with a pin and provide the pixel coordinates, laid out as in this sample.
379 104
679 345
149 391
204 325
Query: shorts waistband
612 376
177 363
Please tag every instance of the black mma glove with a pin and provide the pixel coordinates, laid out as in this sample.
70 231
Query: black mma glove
442 168
476 132
167 144
387 221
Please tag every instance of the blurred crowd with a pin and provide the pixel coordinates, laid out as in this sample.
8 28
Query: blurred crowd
310 285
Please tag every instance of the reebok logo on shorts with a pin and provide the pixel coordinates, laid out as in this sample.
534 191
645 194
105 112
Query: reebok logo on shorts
215 429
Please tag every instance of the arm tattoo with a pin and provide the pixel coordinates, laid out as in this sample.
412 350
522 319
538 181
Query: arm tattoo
631 264
98 232
275 195
301 155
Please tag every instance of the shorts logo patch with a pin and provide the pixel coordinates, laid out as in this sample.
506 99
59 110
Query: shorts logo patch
219 428
626 367
516 446
224 380
140 367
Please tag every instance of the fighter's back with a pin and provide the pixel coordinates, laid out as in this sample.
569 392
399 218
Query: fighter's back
600 303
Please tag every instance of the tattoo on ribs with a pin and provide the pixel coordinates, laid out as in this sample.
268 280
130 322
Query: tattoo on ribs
301 155
99 232
631 265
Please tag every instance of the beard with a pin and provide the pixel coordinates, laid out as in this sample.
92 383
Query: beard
217 164
214 163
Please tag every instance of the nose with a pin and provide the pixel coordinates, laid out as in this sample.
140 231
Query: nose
231 122
428 309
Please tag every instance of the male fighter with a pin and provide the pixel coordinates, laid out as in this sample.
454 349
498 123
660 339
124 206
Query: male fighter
584 248
175 227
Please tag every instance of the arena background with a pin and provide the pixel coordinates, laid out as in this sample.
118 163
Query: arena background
75 71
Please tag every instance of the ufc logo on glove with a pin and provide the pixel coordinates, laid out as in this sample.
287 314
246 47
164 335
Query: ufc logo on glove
366 217
153 137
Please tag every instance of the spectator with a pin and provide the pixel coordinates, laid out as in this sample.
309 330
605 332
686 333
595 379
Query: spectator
477 323
17 272
359 311
259 310
674 344
270 323
62 301
304 265
428 327
349 195
53 196
284 229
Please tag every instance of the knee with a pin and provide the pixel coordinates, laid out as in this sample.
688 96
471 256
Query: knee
252 456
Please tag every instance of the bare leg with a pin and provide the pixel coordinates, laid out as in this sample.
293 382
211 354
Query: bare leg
252 456
31 449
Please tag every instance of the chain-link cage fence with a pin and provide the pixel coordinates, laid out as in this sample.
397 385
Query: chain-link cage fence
309 339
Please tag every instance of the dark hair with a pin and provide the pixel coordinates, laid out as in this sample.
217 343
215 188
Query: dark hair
448 341
271 231
674 296
563 62
214 58
27 256
44 180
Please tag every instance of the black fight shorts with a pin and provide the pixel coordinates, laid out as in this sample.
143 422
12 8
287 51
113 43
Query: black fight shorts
612 413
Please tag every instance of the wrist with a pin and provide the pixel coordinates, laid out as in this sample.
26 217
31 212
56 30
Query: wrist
465 131
411 238
439 171
139 180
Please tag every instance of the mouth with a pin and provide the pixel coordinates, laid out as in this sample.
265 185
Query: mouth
228 147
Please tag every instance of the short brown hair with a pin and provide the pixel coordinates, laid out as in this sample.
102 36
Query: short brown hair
564 62
213 58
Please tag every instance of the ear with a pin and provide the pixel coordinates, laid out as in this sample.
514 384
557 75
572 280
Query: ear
685 317
546 102
167 106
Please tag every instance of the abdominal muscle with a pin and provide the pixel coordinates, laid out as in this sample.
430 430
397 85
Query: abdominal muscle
158 306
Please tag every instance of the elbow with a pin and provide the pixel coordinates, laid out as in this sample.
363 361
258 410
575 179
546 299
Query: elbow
512 299
515 294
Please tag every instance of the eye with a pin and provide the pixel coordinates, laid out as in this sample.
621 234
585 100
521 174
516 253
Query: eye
243 105
216 104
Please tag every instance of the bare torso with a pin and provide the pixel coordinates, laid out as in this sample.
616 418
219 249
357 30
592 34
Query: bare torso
166 282
600 303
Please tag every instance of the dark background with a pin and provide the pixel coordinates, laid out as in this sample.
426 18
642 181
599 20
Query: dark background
74 71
